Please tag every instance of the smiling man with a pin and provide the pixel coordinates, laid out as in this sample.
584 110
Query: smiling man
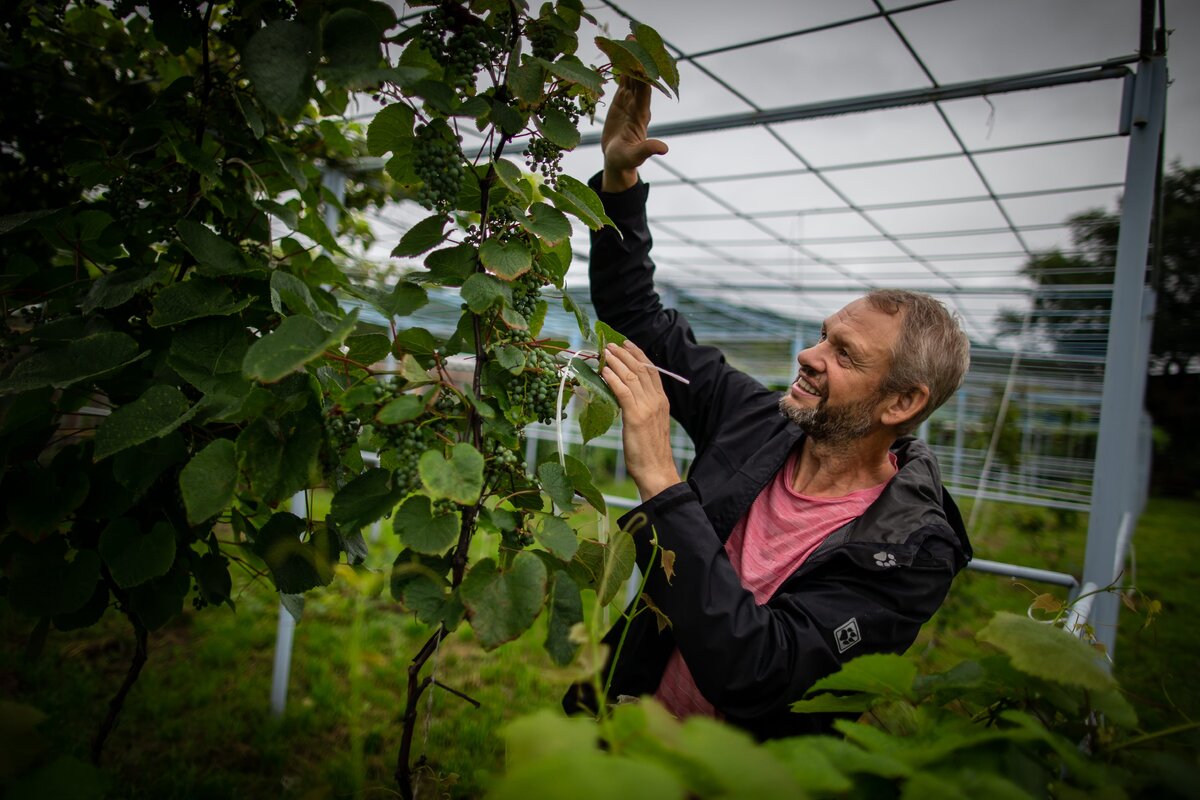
812 528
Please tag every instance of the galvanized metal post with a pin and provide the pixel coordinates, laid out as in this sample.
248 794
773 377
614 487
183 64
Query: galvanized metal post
1126 362
960 417
335 182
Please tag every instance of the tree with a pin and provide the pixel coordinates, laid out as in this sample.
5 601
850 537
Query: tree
179 359
1078 324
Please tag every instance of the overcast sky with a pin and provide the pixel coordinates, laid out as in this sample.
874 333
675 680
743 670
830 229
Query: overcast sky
804 229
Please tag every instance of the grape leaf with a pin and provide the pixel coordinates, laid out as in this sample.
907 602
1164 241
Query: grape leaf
458 478
502 605
208 481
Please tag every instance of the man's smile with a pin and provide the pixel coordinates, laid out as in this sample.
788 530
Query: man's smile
802 388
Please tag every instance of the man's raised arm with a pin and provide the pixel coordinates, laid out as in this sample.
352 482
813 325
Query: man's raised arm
624 141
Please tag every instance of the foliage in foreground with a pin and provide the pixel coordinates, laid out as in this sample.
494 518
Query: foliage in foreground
1037 714
175 370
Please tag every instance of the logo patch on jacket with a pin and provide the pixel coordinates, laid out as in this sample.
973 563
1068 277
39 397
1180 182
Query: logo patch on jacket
846 635
885 559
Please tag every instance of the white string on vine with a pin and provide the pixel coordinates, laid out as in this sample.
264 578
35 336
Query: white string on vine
437 650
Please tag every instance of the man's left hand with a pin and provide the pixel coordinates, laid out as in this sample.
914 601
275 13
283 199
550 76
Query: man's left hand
646 418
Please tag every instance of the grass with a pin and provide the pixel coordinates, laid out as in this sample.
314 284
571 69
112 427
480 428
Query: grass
198 723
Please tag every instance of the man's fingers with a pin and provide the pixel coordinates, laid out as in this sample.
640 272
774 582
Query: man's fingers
635 367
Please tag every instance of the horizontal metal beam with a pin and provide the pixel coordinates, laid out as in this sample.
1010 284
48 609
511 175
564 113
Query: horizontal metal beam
1097 290
854 105
1025 573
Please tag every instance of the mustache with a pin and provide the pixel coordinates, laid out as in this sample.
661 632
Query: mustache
808 378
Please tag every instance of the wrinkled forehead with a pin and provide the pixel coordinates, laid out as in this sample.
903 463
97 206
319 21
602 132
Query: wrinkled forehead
863 324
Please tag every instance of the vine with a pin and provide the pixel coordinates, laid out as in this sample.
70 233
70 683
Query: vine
182 343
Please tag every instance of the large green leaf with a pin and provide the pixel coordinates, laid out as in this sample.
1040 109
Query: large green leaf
425 235
564 610
511 177
296 566
160 410
581 479
1047 651
279 61
135 556
578 199
631 59
297 341
600 404
571 69
558 537
290 294
606 777
404 408
558 128
527 80
389 127
620 555
652 45
89 358
450 266
553 478
883 674
351 40
208 481
42 582
215 256
422 530
365 499
367 348
719 760
192 299
402 300
207 349
458 478
809 765
280 457
502 605
481 292
547 223
509 259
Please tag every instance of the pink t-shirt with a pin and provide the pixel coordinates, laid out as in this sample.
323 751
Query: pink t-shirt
781 529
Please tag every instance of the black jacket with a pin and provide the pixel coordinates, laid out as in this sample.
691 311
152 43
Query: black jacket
866 589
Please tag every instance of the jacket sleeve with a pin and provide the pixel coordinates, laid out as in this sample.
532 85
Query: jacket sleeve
752 661
621 274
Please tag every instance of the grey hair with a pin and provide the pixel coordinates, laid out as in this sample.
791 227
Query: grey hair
931 351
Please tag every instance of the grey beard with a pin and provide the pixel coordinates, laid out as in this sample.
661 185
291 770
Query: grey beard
831 425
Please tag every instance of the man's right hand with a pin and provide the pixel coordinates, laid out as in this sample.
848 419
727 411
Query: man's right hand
624 139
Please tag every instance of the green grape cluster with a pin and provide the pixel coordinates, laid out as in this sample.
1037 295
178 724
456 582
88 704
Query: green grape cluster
519 537
341 430
543 39
439 165
503 460
544 156
442 507
525 296
412 438
469 46
587 106
409 439
199 601
536 389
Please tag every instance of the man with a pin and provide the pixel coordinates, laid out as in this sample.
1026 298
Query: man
811 528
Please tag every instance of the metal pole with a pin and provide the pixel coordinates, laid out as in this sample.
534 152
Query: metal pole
960 408
1126 364
284 635
335 182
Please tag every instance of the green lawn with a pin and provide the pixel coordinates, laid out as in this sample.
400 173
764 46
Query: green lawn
198 725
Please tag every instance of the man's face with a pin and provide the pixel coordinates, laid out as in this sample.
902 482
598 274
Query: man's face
836 397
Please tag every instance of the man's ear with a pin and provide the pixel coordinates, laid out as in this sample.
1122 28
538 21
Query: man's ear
900 407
